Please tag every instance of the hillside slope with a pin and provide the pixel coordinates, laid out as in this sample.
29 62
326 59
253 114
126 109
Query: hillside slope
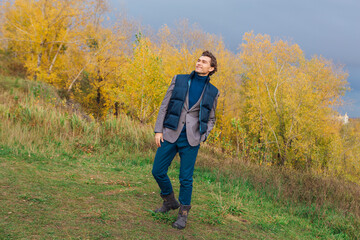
64 177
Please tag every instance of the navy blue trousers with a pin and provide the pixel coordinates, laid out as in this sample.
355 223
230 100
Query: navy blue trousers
163 158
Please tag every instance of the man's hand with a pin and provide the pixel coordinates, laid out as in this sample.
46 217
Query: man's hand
158 139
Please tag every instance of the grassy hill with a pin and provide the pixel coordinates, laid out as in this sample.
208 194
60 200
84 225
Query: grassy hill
63 176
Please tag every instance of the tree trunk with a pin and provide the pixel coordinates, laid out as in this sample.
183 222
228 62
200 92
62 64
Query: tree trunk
37 66
117 106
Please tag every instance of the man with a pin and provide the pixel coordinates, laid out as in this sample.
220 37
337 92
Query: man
185 119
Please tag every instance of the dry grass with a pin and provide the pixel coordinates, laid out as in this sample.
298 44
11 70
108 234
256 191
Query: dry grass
284 185
31 115
34 118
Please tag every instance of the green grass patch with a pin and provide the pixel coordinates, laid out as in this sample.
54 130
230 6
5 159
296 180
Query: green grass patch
87 198
65 177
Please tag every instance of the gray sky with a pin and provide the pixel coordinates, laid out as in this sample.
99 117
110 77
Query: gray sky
330 28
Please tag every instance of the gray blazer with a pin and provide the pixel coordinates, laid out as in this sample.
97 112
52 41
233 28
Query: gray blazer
190 116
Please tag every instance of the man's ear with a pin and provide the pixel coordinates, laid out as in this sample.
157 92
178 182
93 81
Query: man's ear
211 69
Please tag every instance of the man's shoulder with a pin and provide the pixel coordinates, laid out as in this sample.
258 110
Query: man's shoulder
185 76
182 76
213 88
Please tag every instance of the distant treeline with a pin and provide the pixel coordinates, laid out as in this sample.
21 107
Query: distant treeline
276 106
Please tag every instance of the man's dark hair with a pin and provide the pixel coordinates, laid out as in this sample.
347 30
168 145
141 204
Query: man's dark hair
213 62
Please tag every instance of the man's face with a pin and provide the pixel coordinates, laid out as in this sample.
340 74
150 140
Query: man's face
203 67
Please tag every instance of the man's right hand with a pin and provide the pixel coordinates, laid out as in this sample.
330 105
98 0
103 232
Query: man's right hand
158 139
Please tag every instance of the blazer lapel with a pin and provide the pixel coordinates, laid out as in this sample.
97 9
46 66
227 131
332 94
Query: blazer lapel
186 103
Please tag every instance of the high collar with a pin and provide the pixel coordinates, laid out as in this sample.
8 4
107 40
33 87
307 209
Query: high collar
193 74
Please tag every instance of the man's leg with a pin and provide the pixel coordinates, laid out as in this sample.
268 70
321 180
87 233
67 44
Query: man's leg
188 156
163 158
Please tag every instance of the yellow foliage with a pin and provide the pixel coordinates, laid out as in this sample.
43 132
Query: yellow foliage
288 107
40 31
275 108
145 83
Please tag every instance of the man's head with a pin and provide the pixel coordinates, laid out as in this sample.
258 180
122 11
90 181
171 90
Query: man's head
206 64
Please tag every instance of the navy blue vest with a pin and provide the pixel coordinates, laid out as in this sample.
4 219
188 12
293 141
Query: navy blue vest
178 97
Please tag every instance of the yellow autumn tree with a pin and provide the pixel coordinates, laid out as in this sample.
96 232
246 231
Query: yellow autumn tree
227 81
144 81
95 77
169 53
347 150
287 110
65 44
39 32
96 83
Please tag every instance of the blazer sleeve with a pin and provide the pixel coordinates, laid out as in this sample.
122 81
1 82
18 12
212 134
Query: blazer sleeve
163 108
212 119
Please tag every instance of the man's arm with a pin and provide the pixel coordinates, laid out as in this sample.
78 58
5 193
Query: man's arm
163 108
212 119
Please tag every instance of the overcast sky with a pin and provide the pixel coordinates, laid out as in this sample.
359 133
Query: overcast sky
330 28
